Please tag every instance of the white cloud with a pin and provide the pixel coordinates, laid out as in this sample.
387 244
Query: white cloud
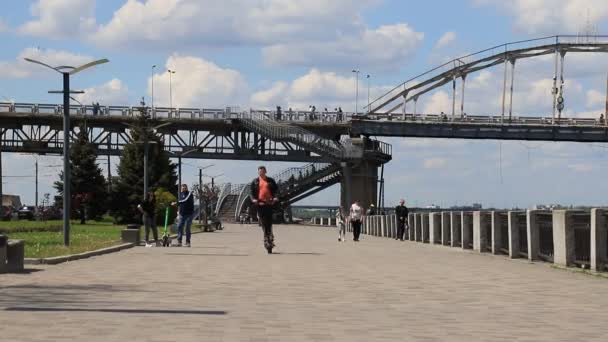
61 19
384 48
179 22
198 83
114 92
552 16
308 33
272 96
3 26
22 69
582 167
435 163
595 98
445 40
438 102
318 88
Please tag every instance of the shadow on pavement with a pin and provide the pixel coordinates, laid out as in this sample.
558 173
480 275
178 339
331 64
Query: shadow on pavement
210 254
288 253
127 311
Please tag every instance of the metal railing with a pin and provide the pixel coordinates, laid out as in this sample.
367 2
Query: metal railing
329 118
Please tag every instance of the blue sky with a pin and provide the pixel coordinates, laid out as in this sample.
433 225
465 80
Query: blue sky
293 53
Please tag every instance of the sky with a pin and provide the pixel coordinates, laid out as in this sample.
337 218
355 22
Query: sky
264 53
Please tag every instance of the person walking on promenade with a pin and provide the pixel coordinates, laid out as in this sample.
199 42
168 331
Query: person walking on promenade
355 218
186 214
340 222
263 194
148 212
401 211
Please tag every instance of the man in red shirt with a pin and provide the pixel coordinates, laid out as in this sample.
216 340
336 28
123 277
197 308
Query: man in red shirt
263 195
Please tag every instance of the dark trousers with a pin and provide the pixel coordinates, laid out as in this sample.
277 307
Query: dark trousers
265 217
356 229
150 223
400 229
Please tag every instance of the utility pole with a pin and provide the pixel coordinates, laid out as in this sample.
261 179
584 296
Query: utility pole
200 197
36 201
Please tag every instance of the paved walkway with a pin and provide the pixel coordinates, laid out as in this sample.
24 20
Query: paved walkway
226 288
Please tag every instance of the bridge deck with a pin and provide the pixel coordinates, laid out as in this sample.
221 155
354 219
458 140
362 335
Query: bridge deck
226 288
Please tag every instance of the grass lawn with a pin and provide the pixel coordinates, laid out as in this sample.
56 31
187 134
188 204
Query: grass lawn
26 226
91 236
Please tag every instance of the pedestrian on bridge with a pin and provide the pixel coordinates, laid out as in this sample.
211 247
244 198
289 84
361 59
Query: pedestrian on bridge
263 194
401 211
186 214
355 218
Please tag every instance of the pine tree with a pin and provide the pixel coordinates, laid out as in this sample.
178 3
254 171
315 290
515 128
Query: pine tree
127 188
88 187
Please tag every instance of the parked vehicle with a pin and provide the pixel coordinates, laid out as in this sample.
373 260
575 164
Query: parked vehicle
26 213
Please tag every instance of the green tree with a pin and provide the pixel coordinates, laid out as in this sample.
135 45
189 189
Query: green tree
88 187
127 188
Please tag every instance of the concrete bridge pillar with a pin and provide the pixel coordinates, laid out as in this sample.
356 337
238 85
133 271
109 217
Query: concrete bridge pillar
359 182
481 231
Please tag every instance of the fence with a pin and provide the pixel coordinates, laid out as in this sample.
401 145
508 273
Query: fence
563 237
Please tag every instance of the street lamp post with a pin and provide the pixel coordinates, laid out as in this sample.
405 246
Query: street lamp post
66 71
356 92
170 91
154 66
368 83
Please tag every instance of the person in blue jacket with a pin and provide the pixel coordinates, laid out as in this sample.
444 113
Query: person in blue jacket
186 214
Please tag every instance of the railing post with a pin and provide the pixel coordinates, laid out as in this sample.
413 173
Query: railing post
599 239
563 238
533 234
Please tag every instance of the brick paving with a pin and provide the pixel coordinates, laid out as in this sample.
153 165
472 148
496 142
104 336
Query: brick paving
226 288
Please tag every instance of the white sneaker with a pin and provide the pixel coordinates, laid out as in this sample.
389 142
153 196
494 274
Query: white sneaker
149 245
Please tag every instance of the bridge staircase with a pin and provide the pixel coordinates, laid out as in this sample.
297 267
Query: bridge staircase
284 132
294 183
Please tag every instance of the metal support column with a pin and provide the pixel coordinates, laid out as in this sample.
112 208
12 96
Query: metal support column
464 78
504 91
560 98
511 89
453 96
404 104
554 90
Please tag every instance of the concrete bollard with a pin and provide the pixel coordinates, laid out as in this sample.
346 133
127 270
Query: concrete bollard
563 238
466 236
517 225
482 231
425 228
418 227
599 239
532 234
456 228
500 232
446 233
383 226
15 255
3 252
435 228
130 236
411 221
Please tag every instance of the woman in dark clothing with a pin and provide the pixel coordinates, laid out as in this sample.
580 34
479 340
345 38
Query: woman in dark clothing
148 211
